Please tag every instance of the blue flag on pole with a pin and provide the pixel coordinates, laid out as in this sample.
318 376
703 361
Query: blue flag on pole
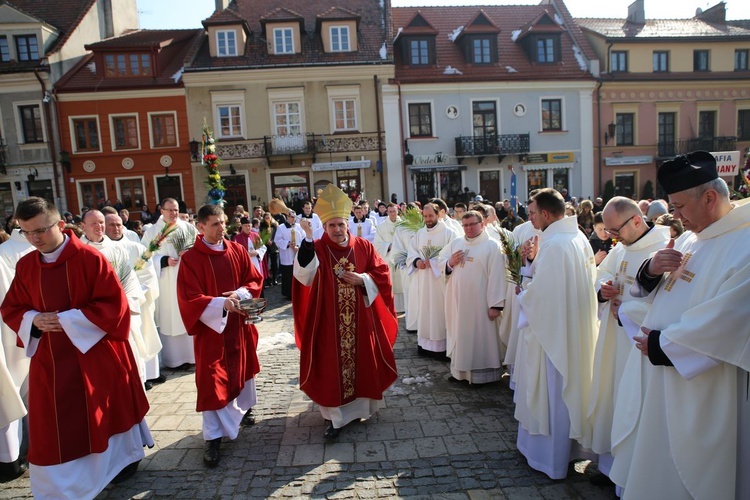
513 196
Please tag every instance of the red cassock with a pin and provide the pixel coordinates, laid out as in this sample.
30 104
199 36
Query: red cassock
346 348
223 361
76 401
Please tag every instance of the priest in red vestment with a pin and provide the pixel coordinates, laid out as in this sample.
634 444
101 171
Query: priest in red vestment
344 321
86 401
214 276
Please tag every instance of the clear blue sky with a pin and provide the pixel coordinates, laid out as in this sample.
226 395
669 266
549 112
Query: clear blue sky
189 13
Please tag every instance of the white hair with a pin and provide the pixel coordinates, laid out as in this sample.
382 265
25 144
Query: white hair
718 185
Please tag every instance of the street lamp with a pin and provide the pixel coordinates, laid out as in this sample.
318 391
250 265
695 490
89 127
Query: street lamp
610 134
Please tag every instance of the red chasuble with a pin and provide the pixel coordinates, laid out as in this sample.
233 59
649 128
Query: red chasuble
223 361
346 348
76 401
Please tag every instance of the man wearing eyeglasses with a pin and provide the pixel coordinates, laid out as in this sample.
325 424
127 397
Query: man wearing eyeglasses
429 276
177 351
686 412
474 300
86 402
554 370
637 241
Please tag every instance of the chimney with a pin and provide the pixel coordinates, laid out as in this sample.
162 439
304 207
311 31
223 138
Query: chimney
716 14
221 4
636 12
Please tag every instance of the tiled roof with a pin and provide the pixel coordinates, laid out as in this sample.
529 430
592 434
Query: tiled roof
513 63
228 15
65 15
370 35
338 13
662 28
174 47
143 39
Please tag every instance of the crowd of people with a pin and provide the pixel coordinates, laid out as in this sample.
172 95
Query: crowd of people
619 326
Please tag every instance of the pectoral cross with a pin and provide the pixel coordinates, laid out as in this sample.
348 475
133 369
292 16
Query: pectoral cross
680 273
622 278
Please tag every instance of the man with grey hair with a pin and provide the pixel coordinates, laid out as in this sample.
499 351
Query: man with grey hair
682 419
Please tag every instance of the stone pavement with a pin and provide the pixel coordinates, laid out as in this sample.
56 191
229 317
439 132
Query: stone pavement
434 439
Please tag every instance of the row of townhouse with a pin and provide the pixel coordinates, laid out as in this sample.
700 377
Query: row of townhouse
384 102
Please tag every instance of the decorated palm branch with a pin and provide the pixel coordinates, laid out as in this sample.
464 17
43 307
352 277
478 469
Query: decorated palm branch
512 251
399 260
183 240
411 220
122 268
430 252
154 246
265 235
260 239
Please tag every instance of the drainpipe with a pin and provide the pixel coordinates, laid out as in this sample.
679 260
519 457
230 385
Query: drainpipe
599 83
385 195
403 142
46 98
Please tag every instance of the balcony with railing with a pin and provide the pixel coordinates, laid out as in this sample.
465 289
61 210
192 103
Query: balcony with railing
485 145
670 149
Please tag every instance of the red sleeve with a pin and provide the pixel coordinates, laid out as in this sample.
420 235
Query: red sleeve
191 296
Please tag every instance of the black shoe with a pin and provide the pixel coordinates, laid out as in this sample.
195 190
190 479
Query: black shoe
411 331
158 380
11 470
331 432
126 473
148 385
422 352
211 455
441 356
185 367
453 380
248 419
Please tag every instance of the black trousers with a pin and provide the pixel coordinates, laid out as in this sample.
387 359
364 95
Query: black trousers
286 280
273 266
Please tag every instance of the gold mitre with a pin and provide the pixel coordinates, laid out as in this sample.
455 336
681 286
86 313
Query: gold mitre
333 203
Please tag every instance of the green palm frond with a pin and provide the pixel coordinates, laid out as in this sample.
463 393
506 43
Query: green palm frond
512 252
430 252
183 240
411 220
399 260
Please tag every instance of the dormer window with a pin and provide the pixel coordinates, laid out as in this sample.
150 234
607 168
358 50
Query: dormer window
420 51
226 43
127 65
545 49
283 40
27 48
4 50
340 39
480 49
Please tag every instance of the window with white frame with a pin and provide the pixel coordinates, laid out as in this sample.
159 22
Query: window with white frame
345 114
287 118
340 39
344 107
226 43
85 134
287 113
229 119
283 39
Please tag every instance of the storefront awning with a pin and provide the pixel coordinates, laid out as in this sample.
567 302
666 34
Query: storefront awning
340 165
545 166
437 168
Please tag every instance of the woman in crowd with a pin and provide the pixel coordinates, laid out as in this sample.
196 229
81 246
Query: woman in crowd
586 216
271 259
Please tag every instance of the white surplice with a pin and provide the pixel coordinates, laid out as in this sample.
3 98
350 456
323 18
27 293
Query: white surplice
431 330
613 345
402 239
688 429
384 237
177 345
317 226
473 340
559 304
364 228
286 239
150 285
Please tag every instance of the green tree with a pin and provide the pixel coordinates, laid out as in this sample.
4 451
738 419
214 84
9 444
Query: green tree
648 190
609 191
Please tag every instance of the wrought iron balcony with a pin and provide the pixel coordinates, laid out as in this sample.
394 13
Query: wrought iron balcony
347 143
236 150
484 145
311 144
725 143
